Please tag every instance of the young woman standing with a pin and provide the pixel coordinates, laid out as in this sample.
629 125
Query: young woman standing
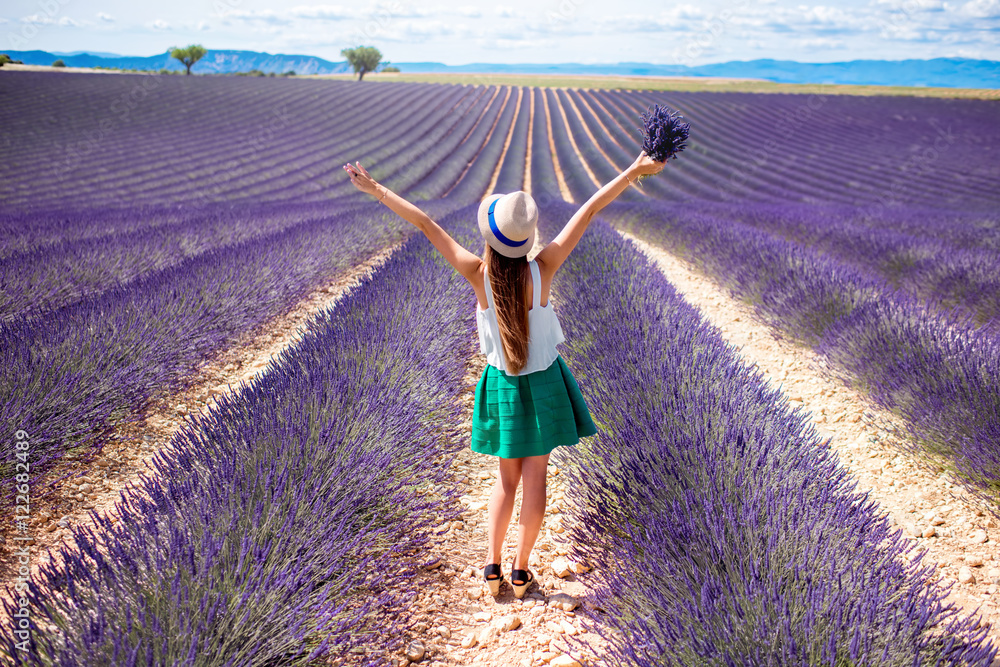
527 402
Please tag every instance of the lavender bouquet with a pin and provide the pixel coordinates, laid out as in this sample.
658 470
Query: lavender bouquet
664 133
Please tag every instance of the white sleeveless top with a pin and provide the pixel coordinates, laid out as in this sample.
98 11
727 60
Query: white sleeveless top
544 330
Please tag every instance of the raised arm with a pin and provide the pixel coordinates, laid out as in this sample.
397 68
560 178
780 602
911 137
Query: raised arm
464 261
555 253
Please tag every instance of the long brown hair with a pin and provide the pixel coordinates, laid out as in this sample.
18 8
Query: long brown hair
509 282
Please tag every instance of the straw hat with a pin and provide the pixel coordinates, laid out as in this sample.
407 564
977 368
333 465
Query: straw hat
507 222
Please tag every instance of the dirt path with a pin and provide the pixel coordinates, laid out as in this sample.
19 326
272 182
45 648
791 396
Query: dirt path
933 512
94 487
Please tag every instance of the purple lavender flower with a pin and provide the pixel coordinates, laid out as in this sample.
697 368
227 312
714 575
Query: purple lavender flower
664 133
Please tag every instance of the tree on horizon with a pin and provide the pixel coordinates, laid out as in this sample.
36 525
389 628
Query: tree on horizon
189 55
363 59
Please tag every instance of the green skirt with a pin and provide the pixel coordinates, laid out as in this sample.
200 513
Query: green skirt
528 415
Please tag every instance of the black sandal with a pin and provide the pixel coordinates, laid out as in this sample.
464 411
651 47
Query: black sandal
520 575
493 575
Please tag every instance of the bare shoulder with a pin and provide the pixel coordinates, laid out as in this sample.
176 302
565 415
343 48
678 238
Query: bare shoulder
547 270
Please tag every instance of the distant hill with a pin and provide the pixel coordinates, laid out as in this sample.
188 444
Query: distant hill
937 72
215 62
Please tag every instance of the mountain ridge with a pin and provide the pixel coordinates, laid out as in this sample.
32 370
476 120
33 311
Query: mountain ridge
935 72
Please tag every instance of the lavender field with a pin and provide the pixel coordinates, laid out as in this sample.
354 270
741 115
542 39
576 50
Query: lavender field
147 221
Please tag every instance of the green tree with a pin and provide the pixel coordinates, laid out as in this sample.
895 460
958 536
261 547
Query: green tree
363 59
59 63
389 68
189 55
4 59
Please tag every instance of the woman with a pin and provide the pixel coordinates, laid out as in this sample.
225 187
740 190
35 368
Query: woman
527 402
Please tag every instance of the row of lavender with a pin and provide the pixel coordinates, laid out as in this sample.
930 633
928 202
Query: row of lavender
875 152
947 255
951 259
126 245
723 529
285 524
934 369
284 139
69 377
198 142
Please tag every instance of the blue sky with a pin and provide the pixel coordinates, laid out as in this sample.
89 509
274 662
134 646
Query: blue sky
519 31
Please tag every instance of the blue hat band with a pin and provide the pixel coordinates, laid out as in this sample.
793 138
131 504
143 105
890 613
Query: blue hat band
496 231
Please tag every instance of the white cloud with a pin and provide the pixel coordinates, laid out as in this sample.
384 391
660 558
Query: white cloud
472 12
820 43
250 15
422 31
507 12
67 21
325 12
106 18
159 24
37 19
982 9
515 44
913 5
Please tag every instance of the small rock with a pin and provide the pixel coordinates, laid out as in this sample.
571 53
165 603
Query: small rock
561 568
991 589
415 651
973 560
929 531
936 521
579 568
564 661
978 537
965 576
434 564
444 631
482 616
568 628
469 640
507 623
554 628
542 639
474 594
564 601
486 635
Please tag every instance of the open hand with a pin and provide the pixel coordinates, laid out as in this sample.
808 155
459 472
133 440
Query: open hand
361 179
644 165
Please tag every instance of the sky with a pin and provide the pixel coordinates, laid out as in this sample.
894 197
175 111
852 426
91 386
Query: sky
519 31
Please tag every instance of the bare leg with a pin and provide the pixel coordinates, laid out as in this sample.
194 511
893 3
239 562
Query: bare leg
502 506
533 472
